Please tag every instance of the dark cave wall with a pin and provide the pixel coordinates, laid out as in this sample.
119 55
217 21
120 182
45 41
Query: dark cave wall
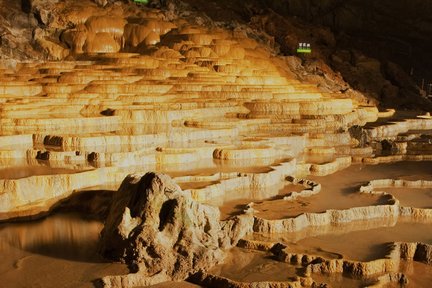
411 17
382 47
395 30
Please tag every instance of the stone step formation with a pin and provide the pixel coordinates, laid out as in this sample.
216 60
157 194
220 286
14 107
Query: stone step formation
212 108
201 95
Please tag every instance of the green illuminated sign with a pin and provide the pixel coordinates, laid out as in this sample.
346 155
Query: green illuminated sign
304 48
141 1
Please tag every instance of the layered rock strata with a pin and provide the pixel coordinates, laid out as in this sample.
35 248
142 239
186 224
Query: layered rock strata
142 91
202 94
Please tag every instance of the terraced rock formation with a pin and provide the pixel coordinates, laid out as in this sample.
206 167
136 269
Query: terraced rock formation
138 90
216 91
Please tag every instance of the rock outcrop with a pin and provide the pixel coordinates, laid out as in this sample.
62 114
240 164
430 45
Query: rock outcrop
369 48
162 233
197 86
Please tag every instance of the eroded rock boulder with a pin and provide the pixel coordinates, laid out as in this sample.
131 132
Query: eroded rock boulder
162 233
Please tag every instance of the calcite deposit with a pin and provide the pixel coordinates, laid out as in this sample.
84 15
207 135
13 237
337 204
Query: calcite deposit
259 143
128 109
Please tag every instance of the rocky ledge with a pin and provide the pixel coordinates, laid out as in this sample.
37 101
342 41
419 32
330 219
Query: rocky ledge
162 233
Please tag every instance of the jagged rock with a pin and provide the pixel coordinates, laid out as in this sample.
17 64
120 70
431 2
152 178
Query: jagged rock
50 48
160 231
42 10
358 133
397 75
44 16
101 3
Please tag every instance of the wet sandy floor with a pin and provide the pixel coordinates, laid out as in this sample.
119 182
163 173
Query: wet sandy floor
363 245
248 266
236 206
413 270
196 185
280 209
61 250
339 191
338 280
362 241
412 197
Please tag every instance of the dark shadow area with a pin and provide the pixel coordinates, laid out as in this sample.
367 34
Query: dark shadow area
167 213
377 251
83 251
93 204
352 189
236 210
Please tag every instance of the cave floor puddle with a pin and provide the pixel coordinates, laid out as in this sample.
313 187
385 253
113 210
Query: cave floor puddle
359 240
339 190
244 265
18 172
58 251
251 266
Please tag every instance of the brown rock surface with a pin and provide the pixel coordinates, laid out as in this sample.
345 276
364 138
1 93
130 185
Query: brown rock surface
165 235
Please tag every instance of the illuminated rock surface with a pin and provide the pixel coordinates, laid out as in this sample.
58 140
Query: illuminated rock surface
194 94
233 124
163 233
